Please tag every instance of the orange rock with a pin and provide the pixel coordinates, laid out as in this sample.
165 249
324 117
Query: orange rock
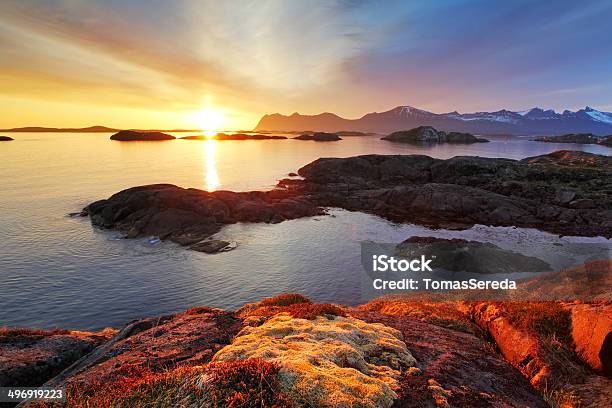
592 334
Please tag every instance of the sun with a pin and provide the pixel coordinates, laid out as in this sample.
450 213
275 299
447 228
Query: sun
209 121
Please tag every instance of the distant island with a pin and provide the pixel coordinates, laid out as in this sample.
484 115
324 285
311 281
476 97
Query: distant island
89 129
132 136
534 121
427 134
319 137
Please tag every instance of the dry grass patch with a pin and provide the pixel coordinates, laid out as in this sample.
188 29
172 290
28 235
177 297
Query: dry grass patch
326 362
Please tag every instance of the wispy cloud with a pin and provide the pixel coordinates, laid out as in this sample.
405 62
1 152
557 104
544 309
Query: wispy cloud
257 56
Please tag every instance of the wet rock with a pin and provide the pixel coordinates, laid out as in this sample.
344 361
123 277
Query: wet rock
132 135
319 137
210 246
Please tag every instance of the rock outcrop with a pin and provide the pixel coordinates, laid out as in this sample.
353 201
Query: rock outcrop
154 345
329 356
563 192
428 134
319 137
5 139
188 216
28 358
132 136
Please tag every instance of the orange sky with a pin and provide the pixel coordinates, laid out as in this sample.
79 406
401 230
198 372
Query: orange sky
129 64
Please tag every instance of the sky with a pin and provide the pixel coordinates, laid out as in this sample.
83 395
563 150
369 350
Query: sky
169 64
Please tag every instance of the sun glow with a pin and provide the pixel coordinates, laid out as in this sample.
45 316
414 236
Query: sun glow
209 121
212 177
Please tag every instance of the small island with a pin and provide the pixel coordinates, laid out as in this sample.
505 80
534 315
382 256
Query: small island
5 139
428 134
319 137
133 136
578 138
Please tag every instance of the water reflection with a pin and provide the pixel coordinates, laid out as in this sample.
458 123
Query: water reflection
212 177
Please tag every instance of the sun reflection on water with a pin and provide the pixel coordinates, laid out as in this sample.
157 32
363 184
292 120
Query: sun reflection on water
212 177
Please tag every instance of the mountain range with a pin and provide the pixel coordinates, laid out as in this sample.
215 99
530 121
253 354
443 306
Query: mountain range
535 121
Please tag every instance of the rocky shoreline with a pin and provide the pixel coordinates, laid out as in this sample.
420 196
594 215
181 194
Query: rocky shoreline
390 352
579 138
565 192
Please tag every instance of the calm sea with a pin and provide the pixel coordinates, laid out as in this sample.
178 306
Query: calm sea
57 271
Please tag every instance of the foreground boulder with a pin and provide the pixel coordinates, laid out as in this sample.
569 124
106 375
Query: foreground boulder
428 134
5 139
153 345
28 357
188 216
455 369
319 137
132 135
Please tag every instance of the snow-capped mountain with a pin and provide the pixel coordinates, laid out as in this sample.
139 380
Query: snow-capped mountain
535 121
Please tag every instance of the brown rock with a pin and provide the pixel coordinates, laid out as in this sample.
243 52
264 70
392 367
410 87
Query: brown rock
456 367
155 344
28 358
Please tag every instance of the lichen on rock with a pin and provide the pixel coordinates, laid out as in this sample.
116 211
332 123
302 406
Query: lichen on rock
328 361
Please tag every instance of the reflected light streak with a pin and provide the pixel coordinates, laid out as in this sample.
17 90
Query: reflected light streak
212 177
